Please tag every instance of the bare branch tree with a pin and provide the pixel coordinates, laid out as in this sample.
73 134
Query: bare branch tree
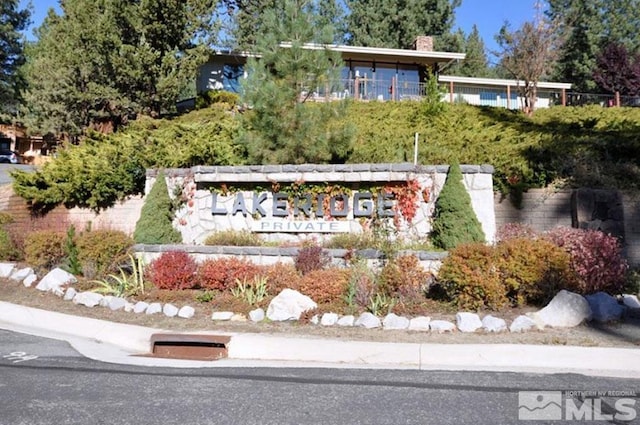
528 54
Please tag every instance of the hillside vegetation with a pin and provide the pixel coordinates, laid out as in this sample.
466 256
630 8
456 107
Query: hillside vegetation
574 147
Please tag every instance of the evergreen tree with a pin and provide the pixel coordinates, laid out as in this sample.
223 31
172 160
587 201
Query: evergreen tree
155 223
12 22
246 18
102 60
282 127
475 63
586 28
580 26
396 24
454 221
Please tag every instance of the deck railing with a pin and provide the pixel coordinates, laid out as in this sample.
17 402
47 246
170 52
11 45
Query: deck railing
364 89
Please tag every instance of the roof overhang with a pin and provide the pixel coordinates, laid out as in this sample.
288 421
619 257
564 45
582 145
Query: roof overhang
500 82
368 54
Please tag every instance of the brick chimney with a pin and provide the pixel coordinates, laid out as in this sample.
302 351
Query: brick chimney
423 43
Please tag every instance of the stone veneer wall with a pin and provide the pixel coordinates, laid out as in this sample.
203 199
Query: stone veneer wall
267 255
196 222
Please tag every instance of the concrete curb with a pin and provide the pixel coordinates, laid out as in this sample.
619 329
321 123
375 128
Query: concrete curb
259 350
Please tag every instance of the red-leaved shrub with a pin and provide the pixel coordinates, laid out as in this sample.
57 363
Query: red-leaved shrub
595 257
280 276
221 273
311 258
173 270
324 286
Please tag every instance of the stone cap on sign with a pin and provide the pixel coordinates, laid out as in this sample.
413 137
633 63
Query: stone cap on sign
372 254
316 172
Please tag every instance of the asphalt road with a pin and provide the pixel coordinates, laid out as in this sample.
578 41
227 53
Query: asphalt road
5 169
44 381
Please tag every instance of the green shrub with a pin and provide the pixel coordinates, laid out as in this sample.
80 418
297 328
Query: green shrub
363 240
8 248
210 97
155 225
45 249
73 265
454 221
102 252
234 238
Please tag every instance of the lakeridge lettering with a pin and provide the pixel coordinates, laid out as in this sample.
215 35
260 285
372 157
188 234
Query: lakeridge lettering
364 205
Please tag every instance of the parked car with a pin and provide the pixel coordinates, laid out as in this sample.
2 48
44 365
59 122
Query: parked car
9 157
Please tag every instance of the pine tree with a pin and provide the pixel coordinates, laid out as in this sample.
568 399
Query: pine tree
282 126
454 221
12 22
136 57
396 24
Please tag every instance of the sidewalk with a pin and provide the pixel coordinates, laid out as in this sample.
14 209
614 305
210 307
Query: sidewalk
122 343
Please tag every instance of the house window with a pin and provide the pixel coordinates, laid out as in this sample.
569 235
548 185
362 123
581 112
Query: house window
231 75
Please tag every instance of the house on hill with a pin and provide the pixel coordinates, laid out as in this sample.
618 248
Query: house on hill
383 74
370 73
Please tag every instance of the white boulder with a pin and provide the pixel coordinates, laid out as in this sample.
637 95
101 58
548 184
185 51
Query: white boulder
604 307
493 324
329 319
256 315
128 307
153 308
21 274
170 310
522 324
565 310
140 307
441 326
56 278
222 315
420 323
29 280
347 320
70 294
289 305
88 299
368 320
186 312
6 269
394 322
468 322
106 299
117 303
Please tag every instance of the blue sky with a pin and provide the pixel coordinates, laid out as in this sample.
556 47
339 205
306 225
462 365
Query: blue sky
488 15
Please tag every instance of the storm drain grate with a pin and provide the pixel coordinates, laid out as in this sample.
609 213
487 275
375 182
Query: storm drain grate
190 347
